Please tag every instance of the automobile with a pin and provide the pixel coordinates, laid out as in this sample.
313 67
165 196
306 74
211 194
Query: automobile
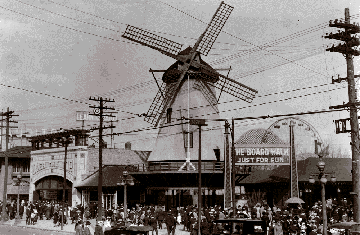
241 226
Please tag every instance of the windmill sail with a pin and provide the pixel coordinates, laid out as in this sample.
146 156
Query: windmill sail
154 113
215 26
234 88
145 38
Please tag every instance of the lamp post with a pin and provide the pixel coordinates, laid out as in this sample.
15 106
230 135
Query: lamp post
322 178
125 182
18 184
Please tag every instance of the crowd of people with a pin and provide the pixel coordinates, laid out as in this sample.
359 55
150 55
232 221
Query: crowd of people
287 220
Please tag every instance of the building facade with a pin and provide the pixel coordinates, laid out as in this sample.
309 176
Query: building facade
47 172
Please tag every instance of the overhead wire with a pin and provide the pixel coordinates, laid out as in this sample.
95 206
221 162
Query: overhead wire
260 47
270 102
49 22
152 128
122 23
63 98
290 61
244 118
113 21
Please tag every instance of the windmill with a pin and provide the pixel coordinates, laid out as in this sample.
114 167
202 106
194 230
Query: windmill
190 75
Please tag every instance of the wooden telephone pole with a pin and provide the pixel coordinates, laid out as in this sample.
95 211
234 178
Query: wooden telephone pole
8 115
348 52
99 111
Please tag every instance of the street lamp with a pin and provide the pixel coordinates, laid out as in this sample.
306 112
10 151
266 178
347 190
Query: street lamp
125 182
18 184
323 180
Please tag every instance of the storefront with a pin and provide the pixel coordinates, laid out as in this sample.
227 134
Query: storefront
51 188
47 166
112 189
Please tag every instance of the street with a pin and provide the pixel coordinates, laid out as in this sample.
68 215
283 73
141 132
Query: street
14 230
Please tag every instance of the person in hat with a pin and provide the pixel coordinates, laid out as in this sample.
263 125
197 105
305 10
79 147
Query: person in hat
86 228
107 224
79 228
98 228
170 223
154 224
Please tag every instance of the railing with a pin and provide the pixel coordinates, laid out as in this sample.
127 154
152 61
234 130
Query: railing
175 166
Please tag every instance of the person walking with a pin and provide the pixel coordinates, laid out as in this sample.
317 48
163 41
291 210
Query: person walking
278 228
154 225
86 228
28 214
170 224
98 229
79 228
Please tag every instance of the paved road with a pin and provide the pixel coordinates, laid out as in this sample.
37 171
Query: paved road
47 227
15 230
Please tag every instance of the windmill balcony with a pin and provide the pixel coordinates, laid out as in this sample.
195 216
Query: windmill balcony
175 166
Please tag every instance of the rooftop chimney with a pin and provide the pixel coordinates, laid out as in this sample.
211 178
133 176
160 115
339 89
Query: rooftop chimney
128 146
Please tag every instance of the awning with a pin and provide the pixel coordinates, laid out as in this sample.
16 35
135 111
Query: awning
111 174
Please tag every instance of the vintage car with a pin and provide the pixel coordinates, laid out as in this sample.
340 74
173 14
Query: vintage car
242 226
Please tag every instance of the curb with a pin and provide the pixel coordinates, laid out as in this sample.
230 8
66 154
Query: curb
43 229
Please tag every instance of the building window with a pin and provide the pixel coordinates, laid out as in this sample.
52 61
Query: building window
168 115
188 140
52 157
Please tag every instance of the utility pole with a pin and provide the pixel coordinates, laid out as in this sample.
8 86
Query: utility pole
233 166
294 185
65 142
349 52
99 111
227 173
199 123
8 115
112 133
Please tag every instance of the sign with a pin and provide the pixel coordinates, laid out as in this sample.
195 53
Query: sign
200 122
262 156
85 116
53 164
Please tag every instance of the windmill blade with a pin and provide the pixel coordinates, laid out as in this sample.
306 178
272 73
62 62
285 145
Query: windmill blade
145 38
228 85
234 88
159 104
213 29
204 88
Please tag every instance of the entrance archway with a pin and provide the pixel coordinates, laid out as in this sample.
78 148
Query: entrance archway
50 188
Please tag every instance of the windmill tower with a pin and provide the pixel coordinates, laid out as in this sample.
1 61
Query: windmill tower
190 82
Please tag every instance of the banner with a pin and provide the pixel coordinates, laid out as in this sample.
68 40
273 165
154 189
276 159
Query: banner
262 156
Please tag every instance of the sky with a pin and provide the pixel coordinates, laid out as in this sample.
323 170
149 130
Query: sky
56 54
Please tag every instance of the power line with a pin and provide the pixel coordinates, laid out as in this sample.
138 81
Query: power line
175 8
270 102
153 128
63 98
40 8
260 47
77 30
87 13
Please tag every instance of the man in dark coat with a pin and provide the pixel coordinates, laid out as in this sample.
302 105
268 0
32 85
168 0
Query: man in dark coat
21 210
98 229
153 224
160 216
28 214
170 224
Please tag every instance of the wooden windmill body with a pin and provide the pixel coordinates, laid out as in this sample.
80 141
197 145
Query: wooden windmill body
188 90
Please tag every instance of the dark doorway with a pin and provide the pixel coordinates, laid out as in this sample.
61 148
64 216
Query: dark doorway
50 188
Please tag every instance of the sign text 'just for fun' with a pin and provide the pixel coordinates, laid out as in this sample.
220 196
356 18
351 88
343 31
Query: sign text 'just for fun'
262 156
